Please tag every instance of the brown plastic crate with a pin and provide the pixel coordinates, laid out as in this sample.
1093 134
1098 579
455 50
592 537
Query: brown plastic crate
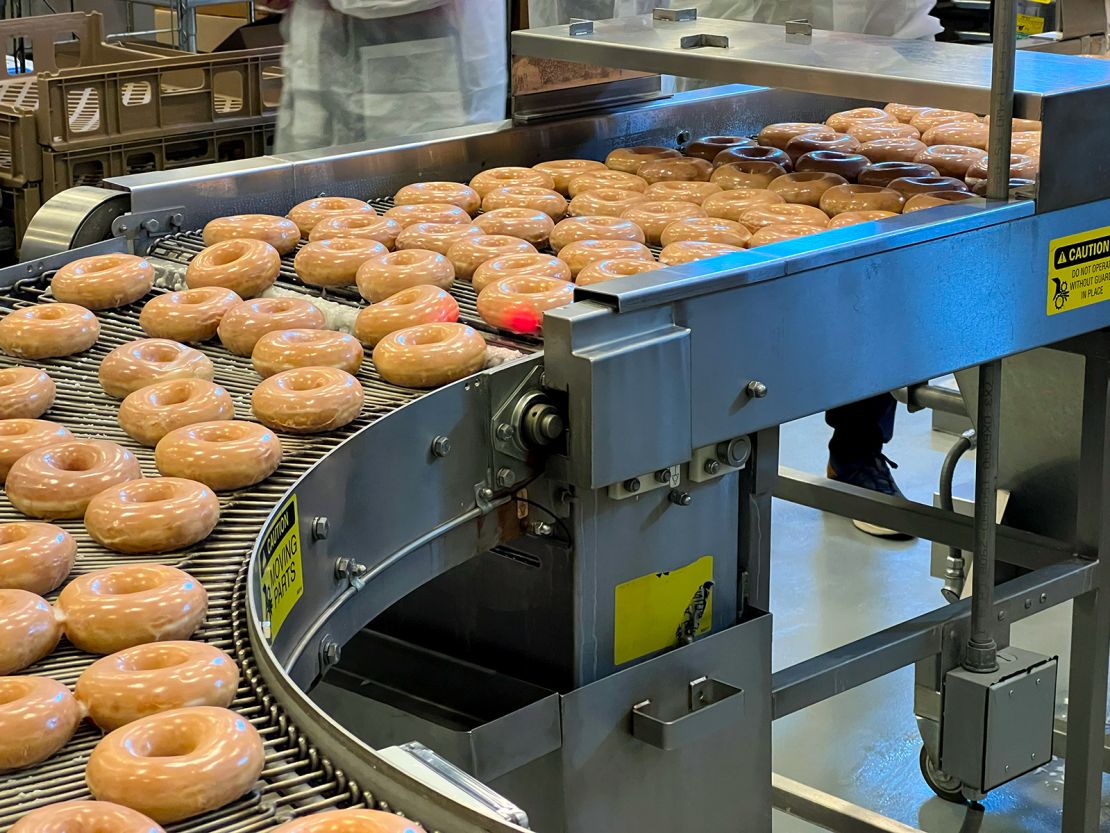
61 41
18 205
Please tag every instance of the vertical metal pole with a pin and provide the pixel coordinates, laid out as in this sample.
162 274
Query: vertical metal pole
757 483
1004 37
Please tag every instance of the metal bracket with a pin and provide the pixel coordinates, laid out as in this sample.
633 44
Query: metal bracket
143 227
635 486
713 706
799 31
675 15
703 39
580 27
712 461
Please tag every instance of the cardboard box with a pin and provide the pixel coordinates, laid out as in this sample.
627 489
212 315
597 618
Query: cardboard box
211 29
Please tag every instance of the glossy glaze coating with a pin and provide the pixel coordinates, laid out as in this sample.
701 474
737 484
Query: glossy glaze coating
852 218
430 355
335 262
103 281
629 160
883 173
582 253
1019 125
708 147
861 198
468 254
35 557
1025 142
349 821
980 187
38 716
617 267
358 225
891 150
754 153
153 678
594 228
307 400
840 122
245 323
759 216
246 267
707 230
429 212
604 202
511 266
144 361
1022 166
25 392
868 131
562 171
150 413
682 191
108 610
778 233
187 315
687 251
919 202
435 237
177 764
685 169
85 817
547 200
407 308
310 212
652 216
280 232
223 455
972 134
286 349
753 174
59 480
805 187
823 140
779 134
524 223
518 304
383 276
493 178
905 113
847 165
729 205
152 514
453 193
20 435
45 331
592 180
932 116
29 630
910 185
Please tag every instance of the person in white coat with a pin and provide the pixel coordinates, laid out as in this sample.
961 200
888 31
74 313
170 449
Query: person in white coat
387 70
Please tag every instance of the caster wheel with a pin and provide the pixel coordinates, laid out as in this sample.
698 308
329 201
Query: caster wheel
945 786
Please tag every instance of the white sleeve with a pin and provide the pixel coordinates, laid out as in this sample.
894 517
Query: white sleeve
377 9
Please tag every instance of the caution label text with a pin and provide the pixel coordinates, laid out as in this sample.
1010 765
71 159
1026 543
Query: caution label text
1078 270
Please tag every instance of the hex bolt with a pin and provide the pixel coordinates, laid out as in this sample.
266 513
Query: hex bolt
541 529
342 568
441 446
505 432
320 528
331 652
1044 598
1028 603
679 498
663 476
711 466
151 225
756 389
177 219
632 484
505 477
1001 615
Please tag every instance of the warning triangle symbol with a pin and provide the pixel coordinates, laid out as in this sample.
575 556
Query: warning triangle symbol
1061 258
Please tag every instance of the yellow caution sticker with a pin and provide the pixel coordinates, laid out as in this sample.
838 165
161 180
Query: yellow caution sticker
662 610
280 559
1030 24
1078 270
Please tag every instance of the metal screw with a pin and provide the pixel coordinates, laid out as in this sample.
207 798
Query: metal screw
1032 756
122 226
1044 598
177 219
1011 692
1001 615
683 137
756 390
541 529
679 498
663 476
1028 603
1037 680
485 493
505 431
331 652
632 484
151 225
342 567
320 528
505 477
712 466
441 446
1006 768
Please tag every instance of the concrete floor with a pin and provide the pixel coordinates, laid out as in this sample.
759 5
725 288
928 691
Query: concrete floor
831 584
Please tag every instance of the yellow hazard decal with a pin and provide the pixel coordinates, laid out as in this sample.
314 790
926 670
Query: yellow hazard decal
1078 270
282 576
662 610
1030 24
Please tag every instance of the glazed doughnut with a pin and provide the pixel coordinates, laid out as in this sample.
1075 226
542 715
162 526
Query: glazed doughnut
407 308
20 435
1019 125
1022 166
308 213
868 131
708 147
359 225
581 254
883 173
131 604
85 817
706 230
29 630
682 191
729 205
38 716
524 223
451 193
46 331
840 122
154 514
861 198
430 355
755 153
905 113
25 392
629 160
156 677
335 262
248 321
847 165
35 557
177 764
752 174
852 218
280 232
547 200
103 281
779 135
427 212
246 267
511 266
892 150
778 233
287 349
1025 142
687 251
592 180
383 276
308 400
594 228
759 216
435 237
910 185
468 254
617 267
223 455
603 202
188 315
493 178
347 821
518 304
148 360
683 169
652 216
150 413
805 188
562 171
931 116
980 188
59 480
823 140
972 134
931 199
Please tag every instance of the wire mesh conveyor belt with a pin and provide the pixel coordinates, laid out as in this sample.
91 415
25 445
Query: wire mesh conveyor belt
297 779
